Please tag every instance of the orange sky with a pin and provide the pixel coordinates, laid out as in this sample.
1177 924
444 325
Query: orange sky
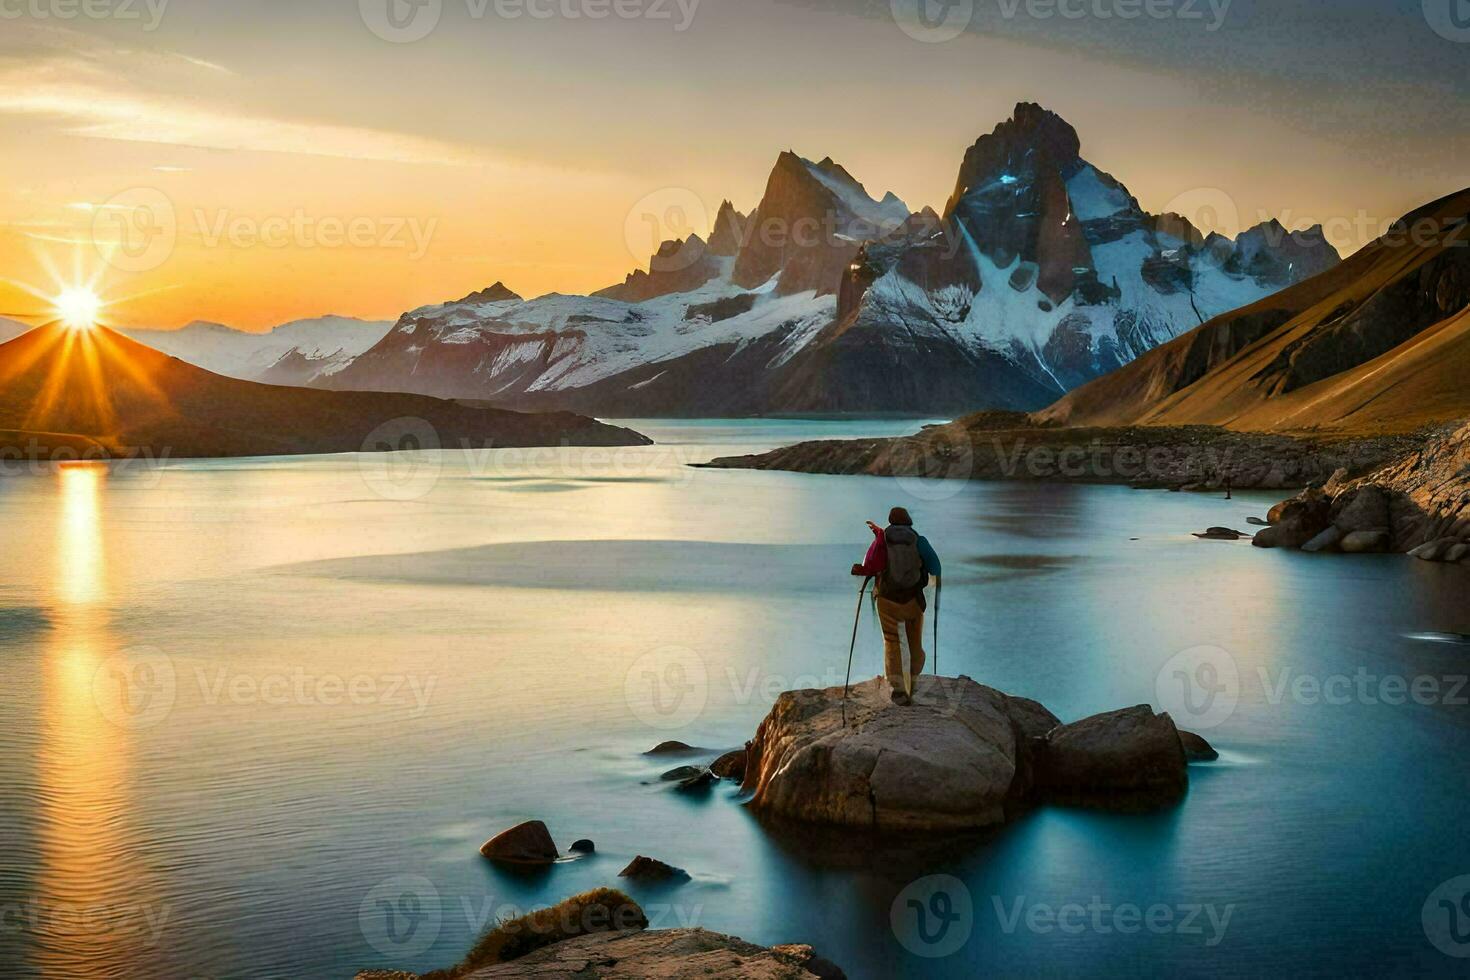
266 164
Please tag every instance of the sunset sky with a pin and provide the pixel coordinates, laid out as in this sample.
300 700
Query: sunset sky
394 174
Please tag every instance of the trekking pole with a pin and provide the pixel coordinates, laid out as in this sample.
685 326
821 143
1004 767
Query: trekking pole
847 684
938 591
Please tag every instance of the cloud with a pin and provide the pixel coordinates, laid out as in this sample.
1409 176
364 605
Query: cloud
105 92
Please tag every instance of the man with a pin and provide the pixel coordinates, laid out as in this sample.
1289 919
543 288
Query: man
902 561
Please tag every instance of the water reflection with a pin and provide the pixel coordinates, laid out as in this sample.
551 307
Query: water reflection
90 899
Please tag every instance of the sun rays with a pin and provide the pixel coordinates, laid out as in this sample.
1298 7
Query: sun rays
78 366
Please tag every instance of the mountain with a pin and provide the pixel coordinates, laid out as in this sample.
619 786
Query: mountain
101 390
296 353
10 329
1380 343
1042 274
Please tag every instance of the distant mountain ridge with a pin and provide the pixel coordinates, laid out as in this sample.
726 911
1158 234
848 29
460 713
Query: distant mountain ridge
295 353
1042 274
1379 343
103 394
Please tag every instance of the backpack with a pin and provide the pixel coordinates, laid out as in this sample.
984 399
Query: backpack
905 577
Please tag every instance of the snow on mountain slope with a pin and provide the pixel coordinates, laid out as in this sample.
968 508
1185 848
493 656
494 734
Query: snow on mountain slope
509 350
1043 273
292 353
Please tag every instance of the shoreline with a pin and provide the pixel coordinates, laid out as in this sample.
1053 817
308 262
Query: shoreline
1010 447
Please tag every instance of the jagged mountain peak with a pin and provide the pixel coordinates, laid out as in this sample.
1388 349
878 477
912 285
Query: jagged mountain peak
1031 137
498 293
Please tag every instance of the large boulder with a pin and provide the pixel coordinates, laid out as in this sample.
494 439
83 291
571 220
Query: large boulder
949 761
963 756
1131 751
1296 521
1328 540
527 843
1362 509
1367 542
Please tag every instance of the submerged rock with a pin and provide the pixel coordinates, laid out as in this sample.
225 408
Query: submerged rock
682 773
1196 749
1221 534
583 846
650 869
527 843
671 748
731 765
964 756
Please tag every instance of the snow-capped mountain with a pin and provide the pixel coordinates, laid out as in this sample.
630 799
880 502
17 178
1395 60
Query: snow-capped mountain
295 353
1042 273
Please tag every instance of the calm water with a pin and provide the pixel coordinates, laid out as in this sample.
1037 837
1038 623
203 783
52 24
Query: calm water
248 701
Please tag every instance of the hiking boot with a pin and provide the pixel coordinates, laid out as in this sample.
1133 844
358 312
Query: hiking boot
901 699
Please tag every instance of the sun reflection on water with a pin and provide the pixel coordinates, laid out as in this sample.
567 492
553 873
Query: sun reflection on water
90 906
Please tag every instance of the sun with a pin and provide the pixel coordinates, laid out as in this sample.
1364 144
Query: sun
78 308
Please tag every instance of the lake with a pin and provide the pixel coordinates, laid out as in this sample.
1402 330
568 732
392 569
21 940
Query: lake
254 706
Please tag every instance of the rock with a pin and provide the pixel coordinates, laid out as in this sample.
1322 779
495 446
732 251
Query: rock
1257 522
1326 541
1270 537
1336 481
1435 550
702 779
805 957
662 954
1458 553
1130 751
731 765
947 762
1196 749
1367 542
1031 717
1296 521
682 773
649 869
670 748
583 846
527 843
1363 509
1221 534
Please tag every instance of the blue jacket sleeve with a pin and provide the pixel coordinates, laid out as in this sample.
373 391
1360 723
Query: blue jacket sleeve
931 558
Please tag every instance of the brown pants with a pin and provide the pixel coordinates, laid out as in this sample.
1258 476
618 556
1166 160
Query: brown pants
903 624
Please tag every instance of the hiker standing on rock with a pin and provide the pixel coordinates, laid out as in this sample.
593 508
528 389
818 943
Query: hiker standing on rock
901 561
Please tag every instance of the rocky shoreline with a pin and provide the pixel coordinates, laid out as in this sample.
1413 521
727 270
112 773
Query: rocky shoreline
1010 446
1419 504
